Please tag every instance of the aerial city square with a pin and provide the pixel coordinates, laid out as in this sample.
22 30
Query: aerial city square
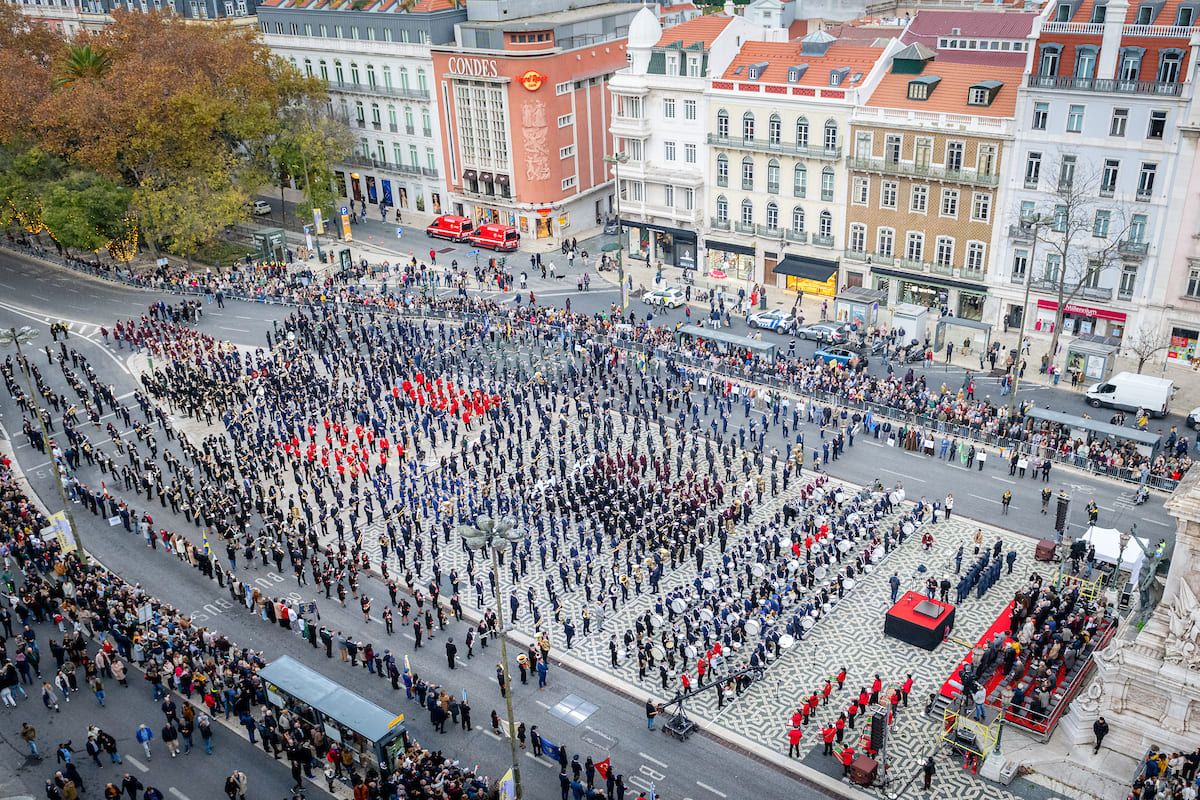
445 399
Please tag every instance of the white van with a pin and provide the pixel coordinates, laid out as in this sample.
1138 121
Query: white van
1130 391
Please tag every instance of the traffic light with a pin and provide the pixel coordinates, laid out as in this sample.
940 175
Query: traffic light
1060 514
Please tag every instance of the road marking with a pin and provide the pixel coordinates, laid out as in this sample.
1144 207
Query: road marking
655 760
236 330
904 475
985 499
543 705
141 767
176 793
1156 522
872 442
495 736
711 789
541 761
1004 480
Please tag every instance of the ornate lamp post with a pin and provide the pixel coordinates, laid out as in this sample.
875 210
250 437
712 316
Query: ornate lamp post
617 159
18 337
487 533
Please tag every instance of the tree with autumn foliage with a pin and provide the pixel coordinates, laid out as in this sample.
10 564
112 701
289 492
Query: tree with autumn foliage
185 119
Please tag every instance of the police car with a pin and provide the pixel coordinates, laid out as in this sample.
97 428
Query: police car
774 320
667 298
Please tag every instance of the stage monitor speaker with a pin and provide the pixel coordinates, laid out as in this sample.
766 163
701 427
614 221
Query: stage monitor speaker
878 730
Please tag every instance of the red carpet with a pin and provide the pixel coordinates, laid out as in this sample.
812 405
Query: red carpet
999 626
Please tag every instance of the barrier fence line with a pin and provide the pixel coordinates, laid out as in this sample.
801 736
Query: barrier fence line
969 433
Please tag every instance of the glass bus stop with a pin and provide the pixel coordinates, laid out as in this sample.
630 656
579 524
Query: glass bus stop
374 736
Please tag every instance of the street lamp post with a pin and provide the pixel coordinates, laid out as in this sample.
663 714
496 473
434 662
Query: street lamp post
17 337
1034 222
487 532
617 159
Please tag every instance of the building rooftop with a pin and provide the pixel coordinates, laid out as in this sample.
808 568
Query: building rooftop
927 26
788 63
391 6
949 91
703 30
670 9
541 22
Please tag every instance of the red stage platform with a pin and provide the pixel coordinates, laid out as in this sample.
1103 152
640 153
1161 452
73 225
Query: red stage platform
926 631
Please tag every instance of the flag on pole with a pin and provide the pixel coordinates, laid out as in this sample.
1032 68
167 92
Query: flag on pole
508 790
207 551
407 668
603 767
550 749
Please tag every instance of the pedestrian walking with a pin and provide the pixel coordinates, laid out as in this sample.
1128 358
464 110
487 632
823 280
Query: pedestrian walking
29 734
143 734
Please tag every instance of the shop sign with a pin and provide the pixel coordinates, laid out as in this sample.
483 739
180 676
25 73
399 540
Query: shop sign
532 80
482 67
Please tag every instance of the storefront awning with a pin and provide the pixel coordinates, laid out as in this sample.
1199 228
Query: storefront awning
1083 311
813 269
486 177
726 247
922 278
678 233
502 180
470 175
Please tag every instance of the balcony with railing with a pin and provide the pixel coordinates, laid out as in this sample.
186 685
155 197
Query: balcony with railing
718 224
376 89
393 127
377 125
972 274
636 127
1105 85
930 171
744 227
778 148
855 255
1050 286
940 268
722 180
796 236
1020 233
822 240
379 163
1138 31
768 231
773 188
1127 247
933 172
914 264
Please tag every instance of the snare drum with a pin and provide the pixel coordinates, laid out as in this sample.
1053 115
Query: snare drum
657 651
679 605
753 627
787 642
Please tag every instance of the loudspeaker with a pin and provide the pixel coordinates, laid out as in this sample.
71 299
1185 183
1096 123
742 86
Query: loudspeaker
878 730
1060 514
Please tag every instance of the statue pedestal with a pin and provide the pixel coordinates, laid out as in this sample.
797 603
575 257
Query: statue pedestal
1148 689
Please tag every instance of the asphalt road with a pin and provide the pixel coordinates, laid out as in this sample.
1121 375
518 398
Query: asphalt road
700 768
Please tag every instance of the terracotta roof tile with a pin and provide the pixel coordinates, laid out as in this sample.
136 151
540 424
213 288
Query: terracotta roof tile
781 55
950 95
986 24
704 29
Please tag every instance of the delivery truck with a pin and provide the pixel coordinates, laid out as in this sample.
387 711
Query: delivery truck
1130 391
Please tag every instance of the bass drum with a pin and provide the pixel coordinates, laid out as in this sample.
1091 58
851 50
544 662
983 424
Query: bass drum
787 642
657 651
706 615
753 627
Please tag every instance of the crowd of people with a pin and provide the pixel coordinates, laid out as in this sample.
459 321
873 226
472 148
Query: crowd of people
1166 776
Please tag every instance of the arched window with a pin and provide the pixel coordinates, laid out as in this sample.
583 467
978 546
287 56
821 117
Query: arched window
772 216
337 71
387 77
826 223
324 70
722 208
354 72
800 181
426 125
797 220
802 132
722 170
774 129
773 176
421 81
408 120
748 174
392 123
308 67
827 184
371 75
831 135
747 212
748 126
404 78
723 123
375 119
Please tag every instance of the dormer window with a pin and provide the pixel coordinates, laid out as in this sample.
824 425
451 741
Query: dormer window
1145 15
1063 13
755 71
836 76
796 73
1184 16
1098 13
983 93
921 88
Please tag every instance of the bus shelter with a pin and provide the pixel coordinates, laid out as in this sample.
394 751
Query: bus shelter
1146 443
726 343
375 736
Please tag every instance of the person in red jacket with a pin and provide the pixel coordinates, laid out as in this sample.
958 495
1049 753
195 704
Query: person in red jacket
840 725
797 718
876 685
851 713
827 734
841 679
847 760
906 688
825 692
864 699
701 668
794 742
894 699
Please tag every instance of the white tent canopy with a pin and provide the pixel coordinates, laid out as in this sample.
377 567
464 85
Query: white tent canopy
1107 542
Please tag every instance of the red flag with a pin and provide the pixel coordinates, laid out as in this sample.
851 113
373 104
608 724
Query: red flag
603 767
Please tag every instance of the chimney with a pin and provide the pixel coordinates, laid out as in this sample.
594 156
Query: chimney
729 9
1110 46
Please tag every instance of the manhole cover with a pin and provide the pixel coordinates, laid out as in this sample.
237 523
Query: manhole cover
446 250
573 710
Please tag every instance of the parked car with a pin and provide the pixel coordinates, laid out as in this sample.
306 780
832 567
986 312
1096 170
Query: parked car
822 332
846 356
774 320
259 207
1193 419
611 227
667 298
